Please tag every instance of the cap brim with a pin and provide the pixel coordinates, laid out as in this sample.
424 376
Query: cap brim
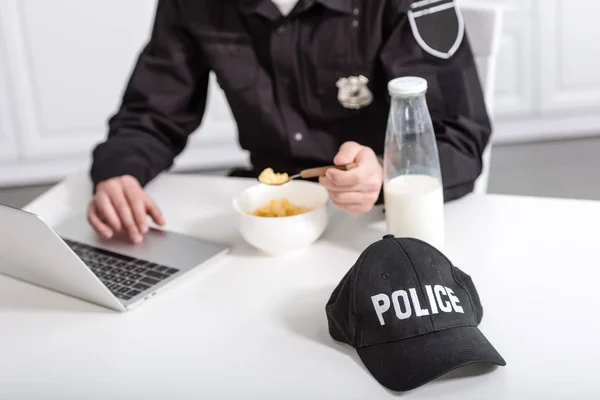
410 363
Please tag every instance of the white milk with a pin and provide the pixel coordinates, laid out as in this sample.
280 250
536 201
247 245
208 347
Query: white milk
414 207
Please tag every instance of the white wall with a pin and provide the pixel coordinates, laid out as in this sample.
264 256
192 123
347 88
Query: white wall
63 64
548 83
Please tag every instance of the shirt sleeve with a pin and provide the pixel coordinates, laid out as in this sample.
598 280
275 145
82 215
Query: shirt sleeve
454 97
163 103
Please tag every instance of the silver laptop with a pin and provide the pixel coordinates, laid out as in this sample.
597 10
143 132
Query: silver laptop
72 259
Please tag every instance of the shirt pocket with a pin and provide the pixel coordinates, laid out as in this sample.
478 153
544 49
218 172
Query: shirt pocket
338 92
234 63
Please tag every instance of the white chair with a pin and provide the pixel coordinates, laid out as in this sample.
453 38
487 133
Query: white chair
483 24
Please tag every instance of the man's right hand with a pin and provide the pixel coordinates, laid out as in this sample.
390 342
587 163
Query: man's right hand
121 205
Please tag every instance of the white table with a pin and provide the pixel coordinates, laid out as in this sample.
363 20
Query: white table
254 327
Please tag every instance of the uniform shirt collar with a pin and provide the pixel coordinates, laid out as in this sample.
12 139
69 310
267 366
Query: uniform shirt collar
268 9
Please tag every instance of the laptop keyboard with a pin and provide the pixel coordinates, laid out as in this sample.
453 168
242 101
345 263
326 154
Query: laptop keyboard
124 276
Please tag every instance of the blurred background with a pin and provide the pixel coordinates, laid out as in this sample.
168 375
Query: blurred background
64 64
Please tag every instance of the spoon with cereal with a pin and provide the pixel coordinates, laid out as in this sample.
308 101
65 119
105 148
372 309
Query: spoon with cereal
269 177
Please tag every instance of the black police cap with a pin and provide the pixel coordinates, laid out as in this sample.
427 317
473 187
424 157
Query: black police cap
410 314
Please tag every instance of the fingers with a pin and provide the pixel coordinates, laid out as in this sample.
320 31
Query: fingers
352 152
154 212
352 198
141 204
120 204
356 190
354 208
346 179
124 209
371 184
137 202
106 211
138 209
100 227
347 153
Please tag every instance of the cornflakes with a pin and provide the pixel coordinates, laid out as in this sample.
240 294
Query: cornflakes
279 208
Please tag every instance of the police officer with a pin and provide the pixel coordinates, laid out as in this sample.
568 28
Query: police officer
306 82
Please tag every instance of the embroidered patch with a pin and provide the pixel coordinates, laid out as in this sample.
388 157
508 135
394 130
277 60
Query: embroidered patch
353 92
438 26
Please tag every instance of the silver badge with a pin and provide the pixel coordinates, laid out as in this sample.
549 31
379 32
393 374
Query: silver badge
353 92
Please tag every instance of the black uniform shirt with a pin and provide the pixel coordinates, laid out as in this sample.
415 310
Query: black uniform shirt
279 75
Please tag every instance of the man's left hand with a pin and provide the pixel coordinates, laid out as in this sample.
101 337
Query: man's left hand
356 190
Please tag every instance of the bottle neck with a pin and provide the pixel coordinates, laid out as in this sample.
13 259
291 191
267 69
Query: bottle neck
412 111
416 101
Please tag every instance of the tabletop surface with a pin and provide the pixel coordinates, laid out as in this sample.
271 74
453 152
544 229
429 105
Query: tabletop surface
254 327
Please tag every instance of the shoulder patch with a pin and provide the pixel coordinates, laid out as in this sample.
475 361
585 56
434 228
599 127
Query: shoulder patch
438 26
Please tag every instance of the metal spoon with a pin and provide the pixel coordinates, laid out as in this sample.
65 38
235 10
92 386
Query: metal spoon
314 172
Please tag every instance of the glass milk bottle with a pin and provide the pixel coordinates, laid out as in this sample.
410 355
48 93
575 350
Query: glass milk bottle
413 191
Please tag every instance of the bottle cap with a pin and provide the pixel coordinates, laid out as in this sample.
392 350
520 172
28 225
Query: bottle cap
407 86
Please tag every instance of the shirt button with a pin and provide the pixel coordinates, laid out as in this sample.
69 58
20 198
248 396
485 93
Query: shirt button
280 30
298 136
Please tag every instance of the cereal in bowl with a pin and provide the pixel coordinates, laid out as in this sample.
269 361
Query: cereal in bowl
279 208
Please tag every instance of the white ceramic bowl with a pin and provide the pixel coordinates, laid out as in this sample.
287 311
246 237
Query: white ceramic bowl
281 235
